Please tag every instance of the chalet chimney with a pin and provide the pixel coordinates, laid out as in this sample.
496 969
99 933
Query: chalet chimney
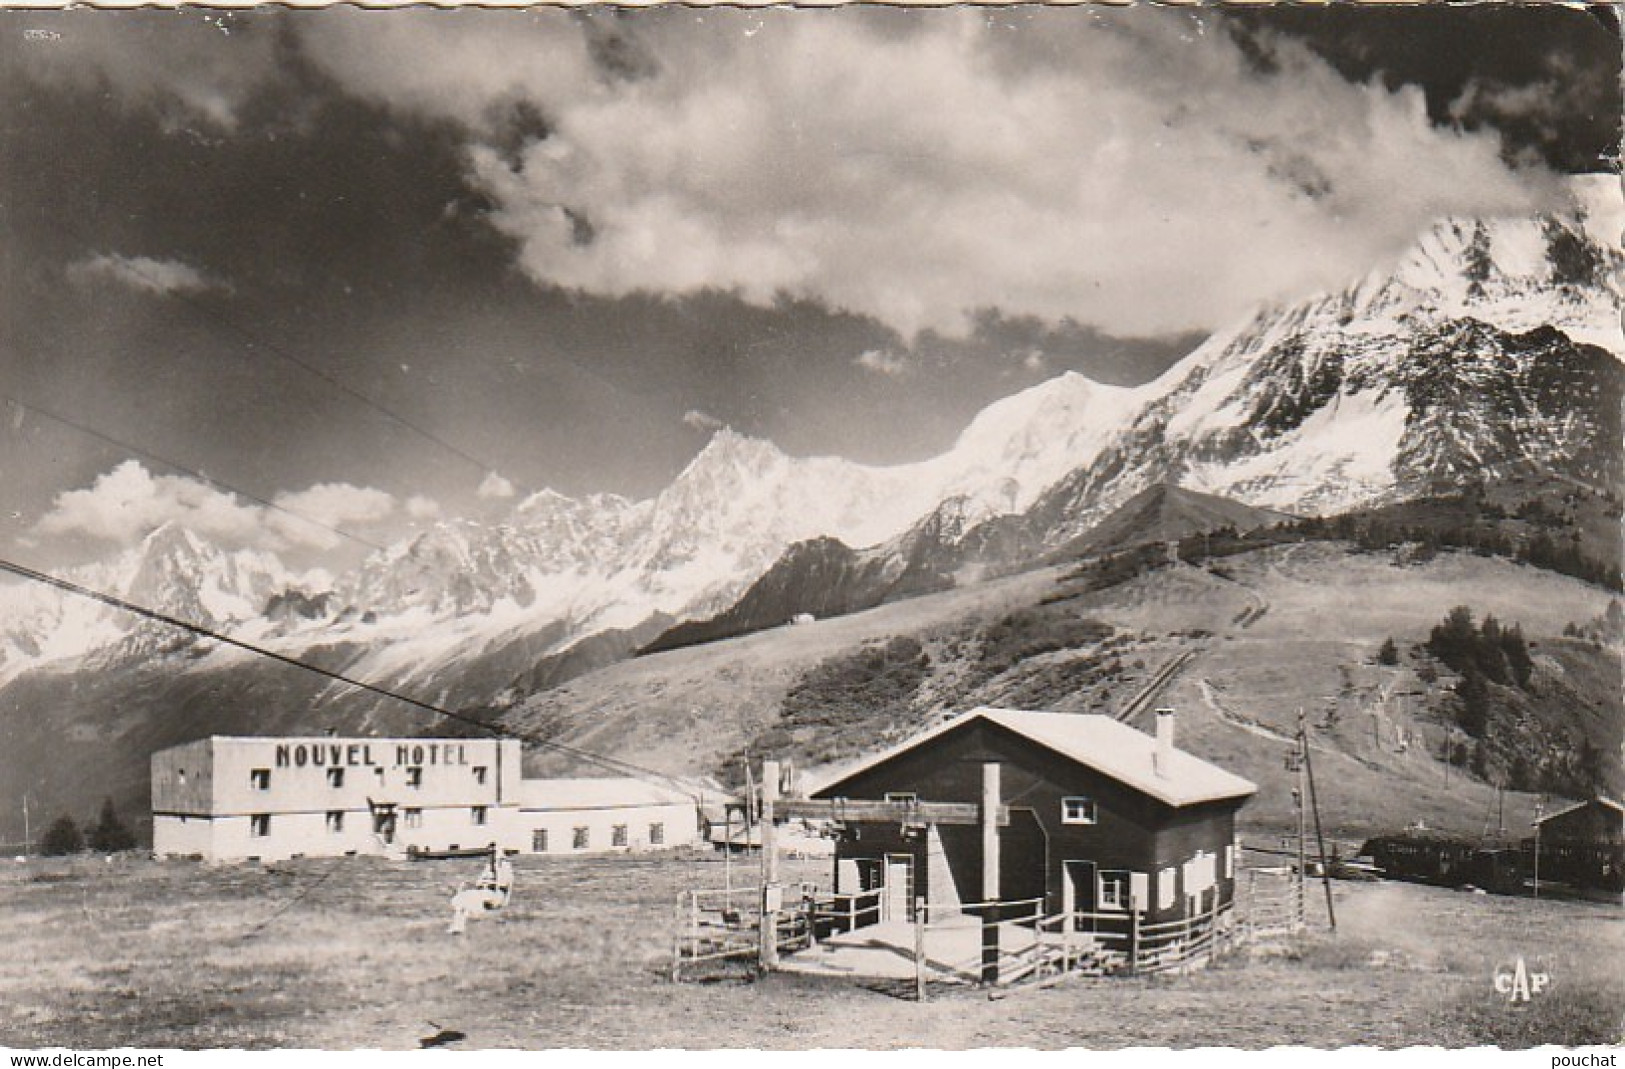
1163 758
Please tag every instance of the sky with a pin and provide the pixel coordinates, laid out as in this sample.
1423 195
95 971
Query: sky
375 269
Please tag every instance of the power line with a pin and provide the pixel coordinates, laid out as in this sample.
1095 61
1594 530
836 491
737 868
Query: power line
193 472
614 764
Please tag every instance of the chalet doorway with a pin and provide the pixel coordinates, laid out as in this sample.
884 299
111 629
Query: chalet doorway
1078 891
898 897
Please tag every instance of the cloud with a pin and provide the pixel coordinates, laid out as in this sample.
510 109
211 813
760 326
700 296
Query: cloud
1554 107
702 421
1128 168
422 508
142 273
190 67
883 362
129 502
328 506
494 485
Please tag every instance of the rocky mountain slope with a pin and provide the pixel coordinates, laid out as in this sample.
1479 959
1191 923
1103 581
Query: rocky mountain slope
1492 351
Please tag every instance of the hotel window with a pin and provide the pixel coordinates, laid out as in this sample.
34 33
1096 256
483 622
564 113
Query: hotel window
617 835
538 841
479 775
1077 810
1114 890
260 779
335 821
579 840
902 796
335 777
414 818
259 825
657 835
478 813
414 777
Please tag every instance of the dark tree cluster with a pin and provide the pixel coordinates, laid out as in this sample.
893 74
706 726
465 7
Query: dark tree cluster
1540 550
108 835
1498 654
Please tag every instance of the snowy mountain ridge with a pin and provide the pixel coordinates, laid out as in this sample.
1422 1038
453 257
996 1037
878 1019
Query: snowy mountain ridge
1481 346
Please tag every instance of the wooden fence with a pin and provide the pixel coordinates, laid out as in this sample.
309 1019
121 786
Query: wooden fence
1032 948
721 925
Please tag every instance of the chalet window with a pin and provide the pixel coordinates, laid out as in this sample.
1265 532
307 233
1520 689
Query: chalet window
414 777
335 821
538 841
1140 890
580 839
335 777
1114 891
413 817
478 814
657 835
1200 872
617 835
259 825
1077 810
479 775
902 796
1165 887
1229 861
260 779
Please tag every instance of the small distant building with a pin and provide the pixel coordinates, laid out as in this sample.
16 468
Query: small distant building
1102 819
232 798
1583 845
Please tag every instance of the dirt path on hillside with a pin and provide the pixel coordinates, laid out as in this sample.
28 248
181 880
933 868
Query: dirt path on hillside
1247 724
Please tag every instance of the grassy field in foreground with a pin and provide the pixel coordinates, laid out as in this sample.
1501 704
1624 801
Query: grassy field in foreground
346 953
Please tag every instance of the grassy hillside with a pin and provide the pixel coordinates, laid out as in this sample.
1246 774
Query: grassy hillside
1268 632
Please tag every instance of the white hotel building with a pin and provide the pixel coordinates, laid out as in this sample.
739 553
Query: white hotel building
228 798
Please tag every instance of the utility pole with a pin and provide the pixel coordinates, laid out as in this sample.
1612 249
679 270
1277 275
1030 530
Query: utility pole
990 872
1294 763
28 835
1320 839
1538 808
771 892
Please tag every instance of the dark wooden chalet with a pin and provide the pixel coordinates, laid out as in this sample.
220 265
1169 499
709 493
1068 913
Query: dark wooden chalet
1101 818
1583 845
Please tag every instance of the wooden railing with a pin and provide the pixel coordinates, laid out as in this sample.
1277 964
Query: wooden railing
725 924
1027 945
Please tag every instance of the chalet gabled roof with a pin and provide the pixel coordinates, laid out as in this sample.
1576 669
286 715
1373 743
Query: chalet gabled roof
1096 742
1554 814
